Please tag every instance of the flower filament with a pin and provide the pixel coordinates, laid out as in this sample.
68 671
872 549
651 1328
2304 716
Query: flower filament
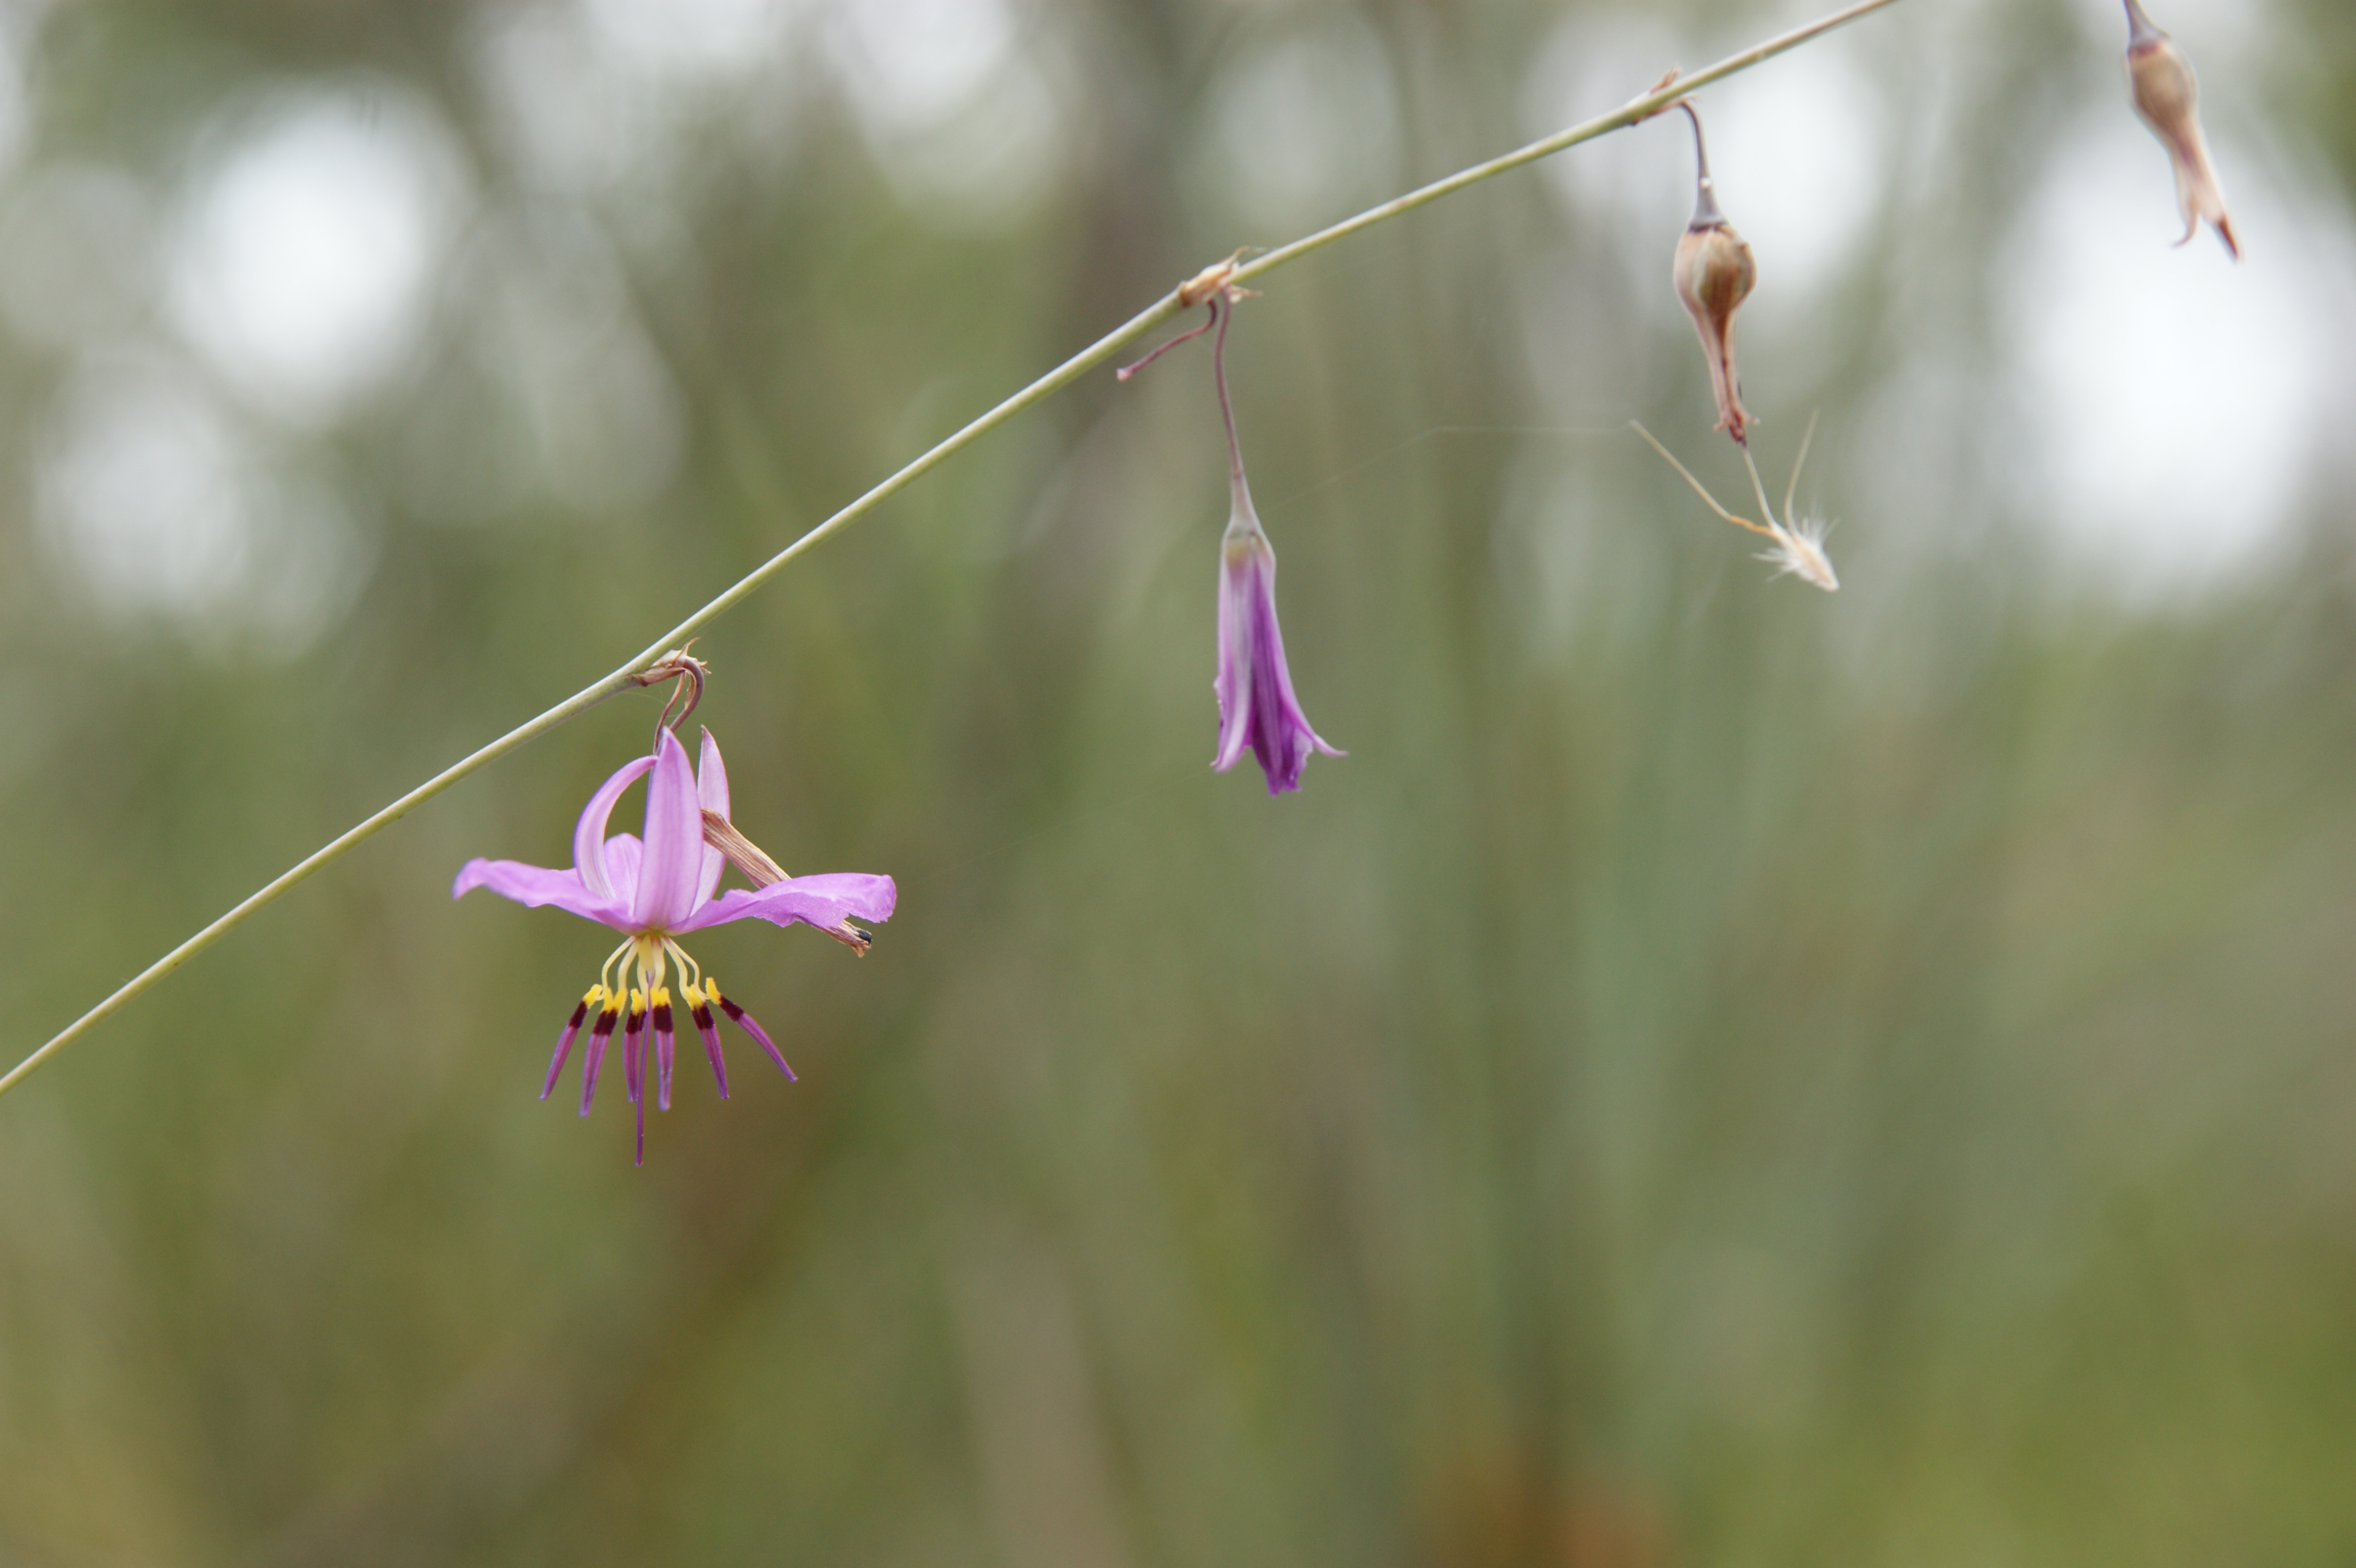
632 993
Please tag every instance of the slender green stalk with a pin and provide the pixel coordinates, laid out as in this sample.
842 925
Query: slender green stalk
1063 375
1636 110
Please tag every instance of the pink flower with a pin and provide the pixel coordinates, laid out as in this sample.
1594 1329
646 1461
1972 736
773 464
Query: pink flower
655 891
2159 79
1256 707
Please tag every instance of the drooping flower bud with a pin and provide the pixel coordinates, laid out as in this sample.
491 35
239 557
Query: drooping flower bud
1257 708
1714 274
2168 98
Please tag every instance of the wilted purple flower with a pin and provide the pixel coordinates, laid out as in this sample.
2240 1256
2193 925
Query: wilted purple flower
1714 274
656 891
1256 707
2159 79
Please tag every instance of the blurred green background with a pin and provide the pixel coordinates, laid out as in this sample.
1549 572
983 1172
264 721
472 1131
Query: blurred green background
1718 1075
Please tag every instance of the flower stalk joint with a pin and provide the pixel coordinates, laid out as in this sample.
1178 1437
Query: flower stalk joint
688 671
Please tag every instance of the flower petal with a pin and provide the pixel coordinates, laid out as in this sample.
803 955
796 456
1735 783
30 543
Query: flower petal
712 793
534 885
623 854
589 832
825 899
1278 726
1245 557
673 865
1257 705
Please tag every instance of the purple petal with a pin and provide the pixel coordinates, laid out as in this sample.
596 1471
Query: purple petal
623 855
825 899
674 845
589 832
712 794
1278 726
1245 559
534 885
1257 705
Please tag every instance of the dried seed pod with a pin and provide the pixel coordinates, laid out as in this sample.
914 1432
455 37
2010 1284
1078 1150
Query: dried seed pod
1714 274
2168 98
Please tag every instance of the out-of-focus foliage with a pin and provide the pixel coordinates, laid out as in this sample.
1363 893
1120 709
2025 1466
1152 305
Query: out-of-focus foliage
1718 1075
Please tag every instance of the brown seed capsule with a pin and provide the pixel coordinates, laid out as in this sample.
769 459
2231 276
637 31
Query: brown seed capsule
1714 274
2160 82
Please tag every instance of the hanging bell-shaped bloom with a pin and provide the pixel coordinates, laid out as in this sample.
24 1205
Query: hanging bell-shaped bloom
1256 707
2160 81
1714 274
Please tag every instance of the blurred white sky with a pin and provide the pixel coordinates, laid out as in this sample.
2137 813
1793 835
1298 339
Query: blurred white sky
2178 404
302 261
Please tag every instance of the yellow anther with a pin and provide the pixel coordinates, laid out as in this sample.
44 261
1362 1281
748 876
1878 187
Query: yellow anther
593 996
638 1000
711 986
662 995
693 993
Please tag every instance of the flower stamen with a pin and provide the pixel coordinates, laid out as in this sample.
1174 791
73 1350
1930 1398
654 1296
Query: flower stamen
589 998
600 1035
744 1021
698 1009
663 1048
605 970
634 1064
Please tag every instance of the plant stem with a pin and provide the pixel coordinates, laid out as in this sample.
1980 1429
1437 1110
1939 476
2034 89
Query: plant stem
1220 311
1063 375
1637 109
